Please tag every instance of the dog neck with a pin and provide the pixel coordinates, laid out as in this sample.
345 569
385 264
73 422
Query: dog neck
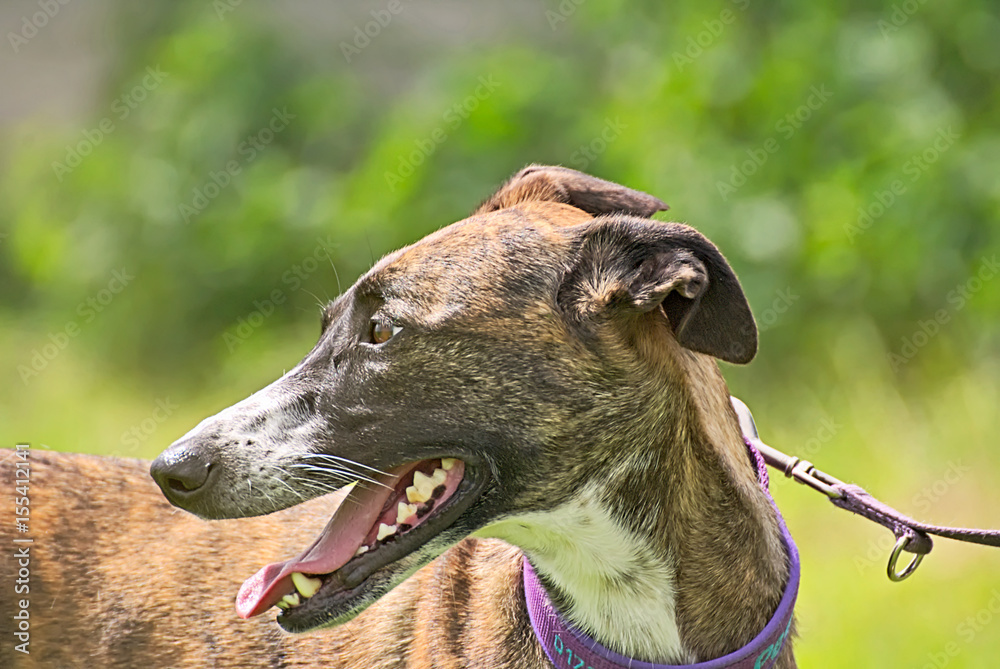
672 554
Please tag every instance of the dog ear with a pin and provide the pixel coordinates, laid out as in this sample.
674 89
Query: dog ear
560 184
666 269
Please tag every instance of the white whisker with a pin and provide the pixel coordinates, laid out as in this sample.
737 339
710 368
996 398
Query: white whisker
345 474
346 461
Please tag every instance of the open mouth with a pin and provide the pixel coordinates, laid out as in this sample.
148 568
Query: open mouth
373 527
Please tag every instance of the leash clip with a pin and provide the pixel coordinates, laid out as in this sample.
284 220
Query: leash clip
805 473
792 466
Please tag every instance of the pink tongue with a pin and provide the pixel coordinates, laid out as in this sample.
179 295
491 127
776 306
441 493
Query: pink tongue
337 544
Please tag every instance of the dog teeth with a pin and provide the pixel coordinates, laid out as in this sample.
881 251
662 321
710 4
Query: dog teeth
291 599
414 496
422 488
306 586
361 551
385 531
404 511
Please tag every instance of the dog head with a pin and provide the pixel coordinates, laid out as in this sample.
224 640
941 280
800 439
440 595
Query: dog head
476 375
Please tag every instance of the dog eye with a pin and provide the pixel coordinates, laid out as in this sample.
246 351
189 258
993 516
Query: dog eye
382 332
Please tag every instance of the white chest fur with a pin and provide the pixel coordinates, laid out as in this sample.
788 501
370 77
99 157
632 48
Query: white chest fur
620 592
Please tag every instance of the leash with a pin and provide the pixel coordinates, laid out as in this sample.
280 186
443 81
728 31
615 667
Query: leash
911 535
567 646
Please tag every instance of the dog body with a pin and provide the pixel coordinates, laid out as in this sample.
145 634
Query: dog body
120 578
548 365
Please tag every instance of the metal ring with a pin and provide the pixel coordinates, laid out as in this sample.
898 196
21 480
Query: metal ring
897 576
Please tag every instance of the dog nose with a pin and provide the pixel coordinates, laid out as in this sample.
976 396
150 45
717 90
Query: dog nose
182 474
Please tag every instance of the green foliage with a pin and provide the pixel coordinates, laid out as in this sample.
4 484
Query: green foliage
844 157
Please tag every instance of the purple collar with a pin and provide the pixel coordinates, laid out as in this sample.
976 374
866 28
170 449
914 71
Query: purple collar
569 648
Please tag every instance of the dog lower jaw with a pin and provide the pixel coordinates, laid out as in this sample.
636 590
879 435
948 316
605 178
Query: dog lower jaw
299 621
343 606
347 592
606 580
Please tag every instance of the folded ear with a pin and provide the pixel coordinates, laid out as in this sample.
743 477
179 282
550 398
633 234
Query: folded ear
560 184
666 270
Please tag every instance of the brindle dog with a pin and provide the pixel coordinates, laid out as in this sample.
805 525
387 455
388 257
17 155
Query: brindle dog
537 380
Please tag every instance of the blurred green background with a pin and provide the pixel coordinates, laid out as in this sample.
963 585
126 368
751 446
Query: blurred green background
184 182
